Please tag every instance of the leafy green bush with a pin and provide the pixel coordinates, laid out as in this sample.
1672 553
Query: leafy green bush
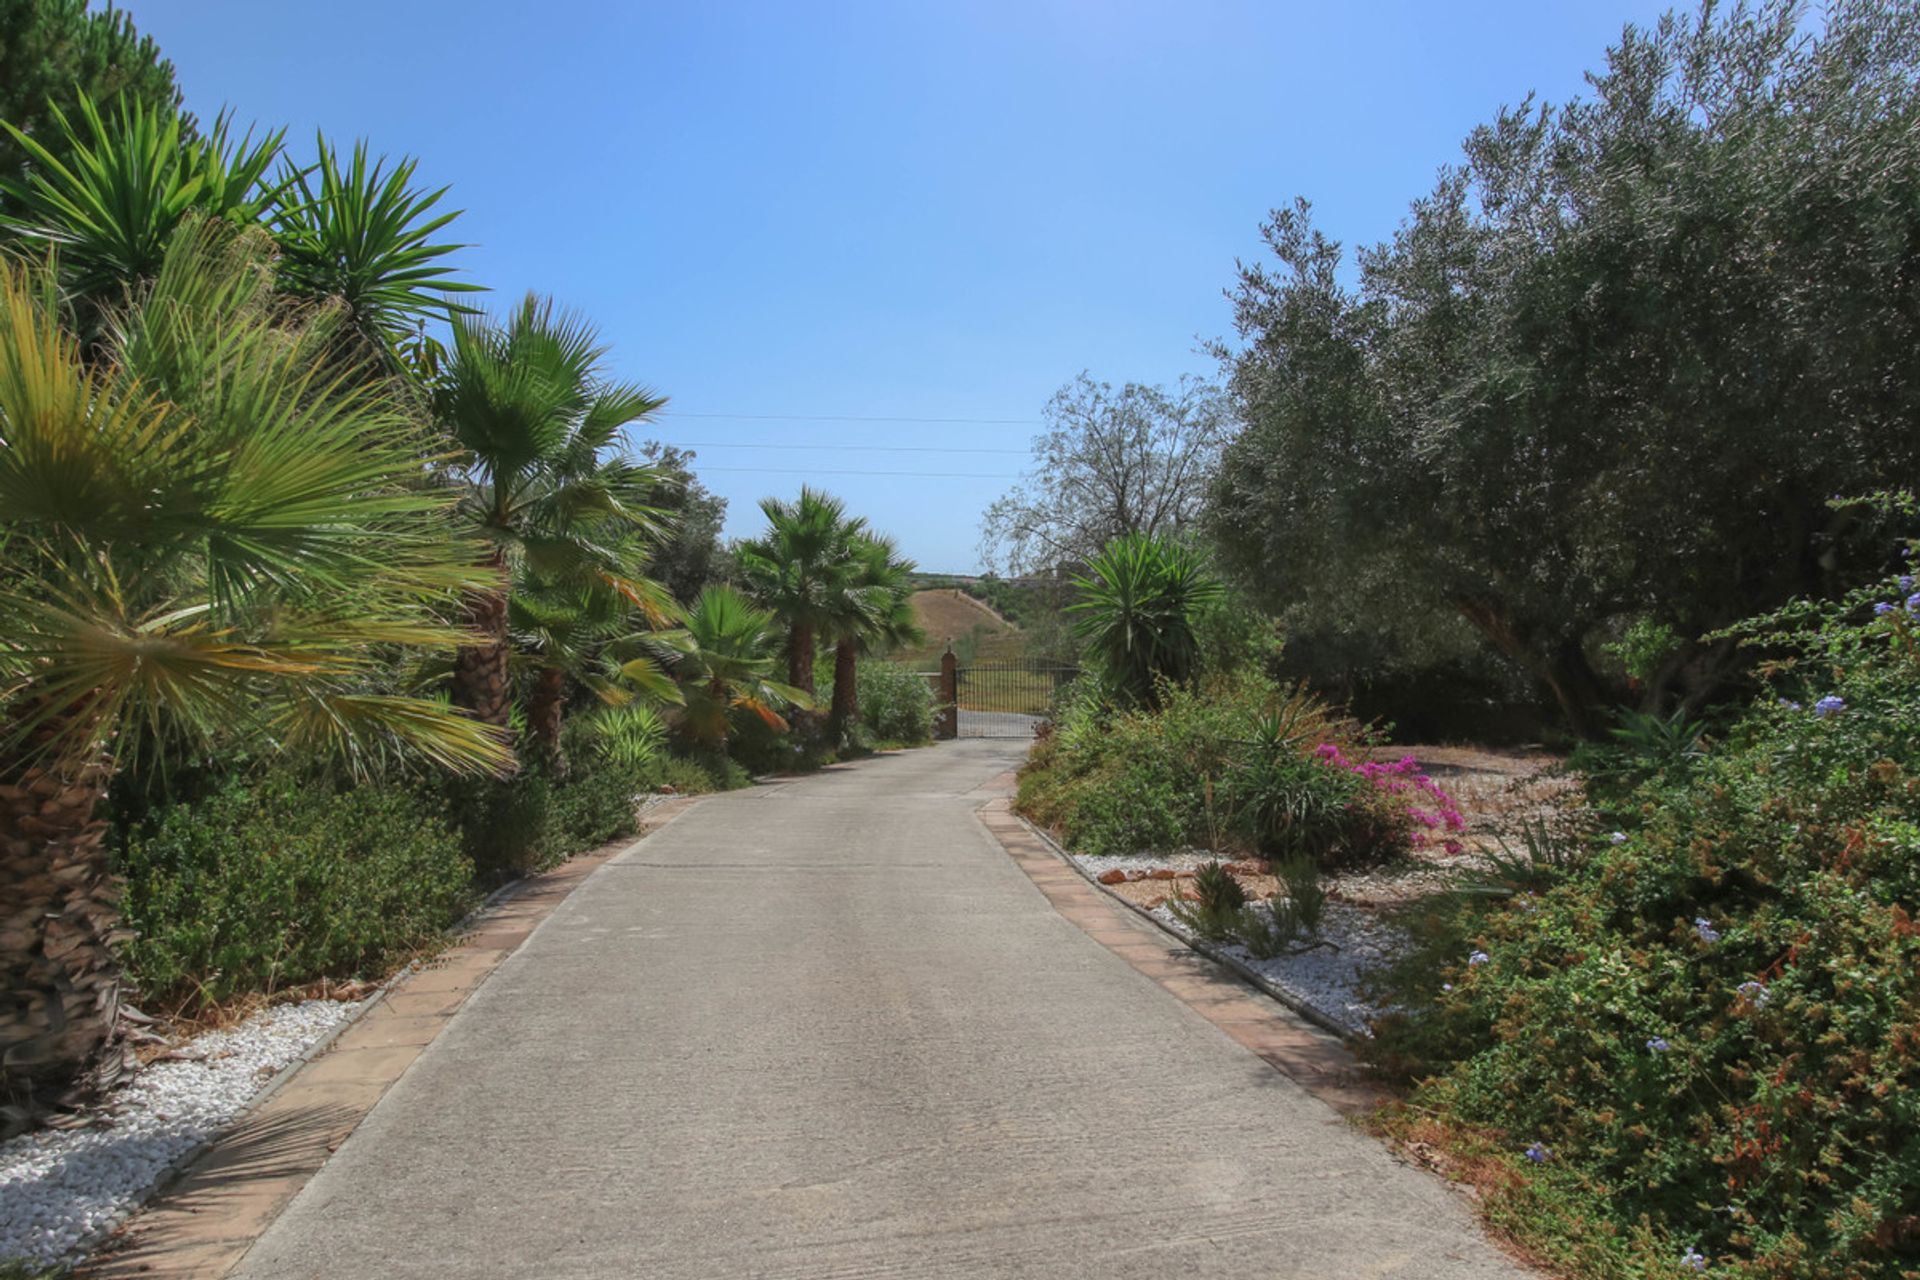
1214 910
278 881
1705 1033
504 823
1137 611
896 703
1234 762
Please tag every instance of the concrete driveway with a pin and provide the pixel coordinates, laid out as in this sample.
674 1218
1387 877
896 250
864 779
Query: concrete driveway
827 1029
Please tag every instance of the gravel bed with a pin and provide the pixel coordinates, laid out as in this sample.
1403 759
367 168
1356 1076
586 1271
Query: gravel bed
59 1188
1326 977
1184 860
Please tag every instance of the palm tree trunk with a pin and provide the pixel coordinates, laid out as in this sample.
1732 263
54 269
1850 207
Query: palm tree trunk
480 670
59 924
546 714
800 657
846 694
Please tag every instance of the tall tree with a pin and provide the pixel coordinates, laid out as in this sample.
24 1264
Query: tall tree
878 616
801 569
54 53
529 404
689 558
1609 372
204 531
1136 460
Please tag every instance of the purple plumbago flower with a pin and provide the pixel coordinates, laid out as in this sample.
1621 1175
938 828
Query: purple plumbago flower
1446 986
1913 602
1693 1259
1789 704
1754 993
1618 837
1704 927
1829 706
1906 582
1658 1045
1882 609
1477 959
1539 1153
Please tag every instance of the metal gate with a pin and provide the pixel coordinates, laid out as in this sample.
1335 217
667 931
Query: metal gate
1006 697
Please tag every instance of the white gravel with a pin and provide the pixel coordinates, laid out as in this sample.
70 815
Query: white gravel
1325 977
1184 860
61 1188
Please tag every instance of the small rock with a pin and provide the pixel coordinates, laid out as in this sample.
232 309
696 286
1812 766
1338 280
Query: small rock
1115 876
1163 873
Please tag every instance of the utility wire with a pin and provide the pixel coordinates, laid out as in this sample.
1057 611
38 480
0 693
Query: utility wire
842 417
857 448
811 471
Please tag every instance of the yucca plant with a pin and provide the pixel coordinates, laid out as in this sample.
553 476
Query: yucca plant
360 232
111 190
528 403
206 531
1136 612
1214 910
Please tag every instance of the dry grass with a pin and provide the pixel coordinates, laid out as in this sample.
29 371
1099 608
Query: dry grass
953 615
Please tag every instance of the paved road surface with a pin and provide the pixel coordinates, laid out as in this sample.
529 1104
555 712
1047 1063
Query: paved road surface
824 1030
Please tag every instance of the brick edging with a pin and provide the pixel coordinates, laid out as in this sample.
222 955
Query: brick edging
1318 1062
219 1198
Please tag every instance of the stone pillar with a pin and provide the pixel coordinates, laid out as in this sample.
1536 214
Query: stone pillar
946 715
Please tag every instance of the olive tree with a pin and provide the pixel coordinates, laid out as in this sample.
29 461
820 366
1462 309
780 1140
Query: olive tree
1609 371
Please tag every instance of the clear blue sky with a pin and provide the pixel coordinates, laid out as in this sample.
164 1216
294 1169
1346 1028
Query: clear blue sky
909 210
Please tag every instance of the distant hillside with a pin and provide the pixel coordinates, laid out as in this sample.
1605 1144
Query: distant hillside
952 615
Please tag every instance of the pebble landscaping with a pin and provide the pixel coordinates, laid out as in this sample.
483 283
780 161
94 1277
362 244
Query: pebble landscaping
62 1189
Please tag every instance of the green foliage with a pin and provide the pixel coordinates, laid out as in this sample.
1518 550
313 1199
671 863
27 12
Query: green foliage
1614 340
1643 647
360 233
1709 1023
1227 764
722 659
279 881
1638 747
205 534
1136 613
1214 910
108 191
57 52
896 702
631 737
688 558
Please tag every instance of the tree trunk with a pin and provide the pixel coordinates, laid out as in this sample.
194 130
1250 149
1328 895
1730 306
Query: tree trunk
800 657
59 924
846 694
545 715
1563 668
480 684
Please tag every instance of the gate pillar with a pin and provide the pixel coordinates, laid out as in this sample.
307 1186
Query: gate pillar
946 716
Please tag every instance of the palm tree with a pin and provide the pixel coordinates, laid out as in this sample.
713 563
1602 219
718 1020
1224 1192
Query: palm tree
801 570
208 531
1138 603
879 616
723 659
529 405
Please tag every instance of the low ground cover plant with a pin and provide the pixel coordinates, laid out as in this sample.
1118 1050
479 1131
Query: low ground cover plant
1698 1046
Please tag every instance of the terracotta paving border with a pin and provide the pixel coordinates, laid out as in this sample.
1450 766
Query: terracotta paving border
1314 1059
201 1226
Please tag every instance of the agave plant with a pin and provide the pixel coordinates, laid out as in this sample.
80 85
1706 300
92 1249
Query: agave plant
206 530
1136 612
112 189
361 233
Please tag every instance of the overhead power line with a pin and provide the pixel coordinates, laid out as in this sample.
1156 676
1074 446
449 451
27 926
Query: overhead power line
814 471
854 448
847 417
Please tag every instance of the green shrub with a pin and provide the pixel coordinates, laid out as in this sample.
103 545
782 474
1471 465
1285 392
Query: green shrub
1234 762
505 824
1214 910
282 880
1138 605
1709 1027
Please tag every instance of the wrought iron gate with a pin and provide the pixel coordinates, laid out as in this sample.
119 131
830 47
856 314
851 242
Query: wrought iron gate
1004 697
